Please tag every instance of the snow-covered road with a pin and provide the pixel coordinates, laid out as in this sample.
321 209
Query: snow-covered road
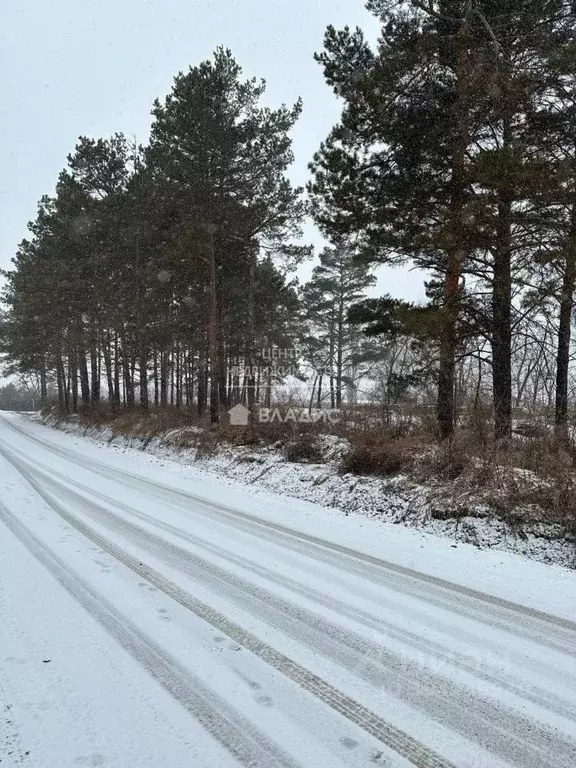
150 616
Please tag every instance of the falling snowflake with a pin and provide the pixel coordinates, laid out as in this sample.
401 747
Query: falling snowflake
164 276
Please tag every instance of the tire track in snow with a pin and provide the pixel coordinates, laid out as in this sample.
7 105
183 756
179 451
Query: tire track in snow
234 732
542 628
403 744
497 729
540 697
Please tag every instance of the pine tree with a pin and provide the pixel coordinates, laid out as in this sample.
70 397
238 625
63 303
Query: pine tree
223 159
436 155
395 171
337 283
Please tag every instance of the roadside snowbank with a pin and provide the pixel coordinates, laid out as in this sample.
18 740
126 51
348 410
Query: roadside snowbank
395 500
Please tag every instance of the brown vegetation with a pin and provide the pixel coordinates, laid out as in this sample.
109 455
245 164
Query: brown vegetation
524 479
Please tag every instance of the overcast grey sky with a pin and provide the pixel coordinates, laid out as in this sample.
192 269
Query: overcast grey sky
93 67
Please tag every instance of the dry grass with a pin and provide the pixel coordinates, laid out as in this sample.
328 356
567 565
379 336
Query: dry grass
187 430
372 454
530 478
521 480
304 447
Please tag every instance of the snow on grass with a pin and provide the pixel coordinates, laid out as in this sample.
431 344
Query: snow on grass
397 499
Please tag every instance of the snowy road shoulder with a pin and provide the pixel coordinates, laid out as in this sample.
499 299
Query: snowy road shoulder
162 614
437 509
548 588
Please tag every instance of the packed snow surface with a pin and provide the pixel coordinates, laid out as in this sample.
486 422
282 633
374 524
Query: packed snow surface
153 616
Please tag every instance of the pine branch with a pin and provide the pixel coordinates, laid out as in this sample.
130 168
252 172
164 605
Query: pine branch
435 14
491 34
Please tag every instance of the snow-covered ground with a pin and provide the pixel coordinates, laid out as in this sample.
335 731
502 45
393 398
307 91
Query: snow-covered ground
396 499
152 615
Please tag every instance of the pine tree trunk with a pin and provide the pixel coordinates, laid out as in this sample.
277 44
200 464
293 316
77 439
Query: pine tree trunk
73 374
171 371
164 379
339 375
455 250
117 364
128 378
178 373
332 389
62 384
109 375
268 392
84 380
202 387
339 351
250 381
230 382
189 378
95 373
43 383
331 352
502 317
144 402
258 382
312 394
223 391
565 332
213 334
156 380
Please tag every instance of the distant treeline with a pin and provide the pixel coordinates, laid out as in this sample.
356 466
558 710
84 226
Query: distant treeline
15 398
161 271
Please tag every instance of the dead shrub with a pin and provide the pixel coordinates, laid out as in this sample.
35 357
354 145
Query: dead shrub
206 445
255 433
560 502
374 458
447 461
304 448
